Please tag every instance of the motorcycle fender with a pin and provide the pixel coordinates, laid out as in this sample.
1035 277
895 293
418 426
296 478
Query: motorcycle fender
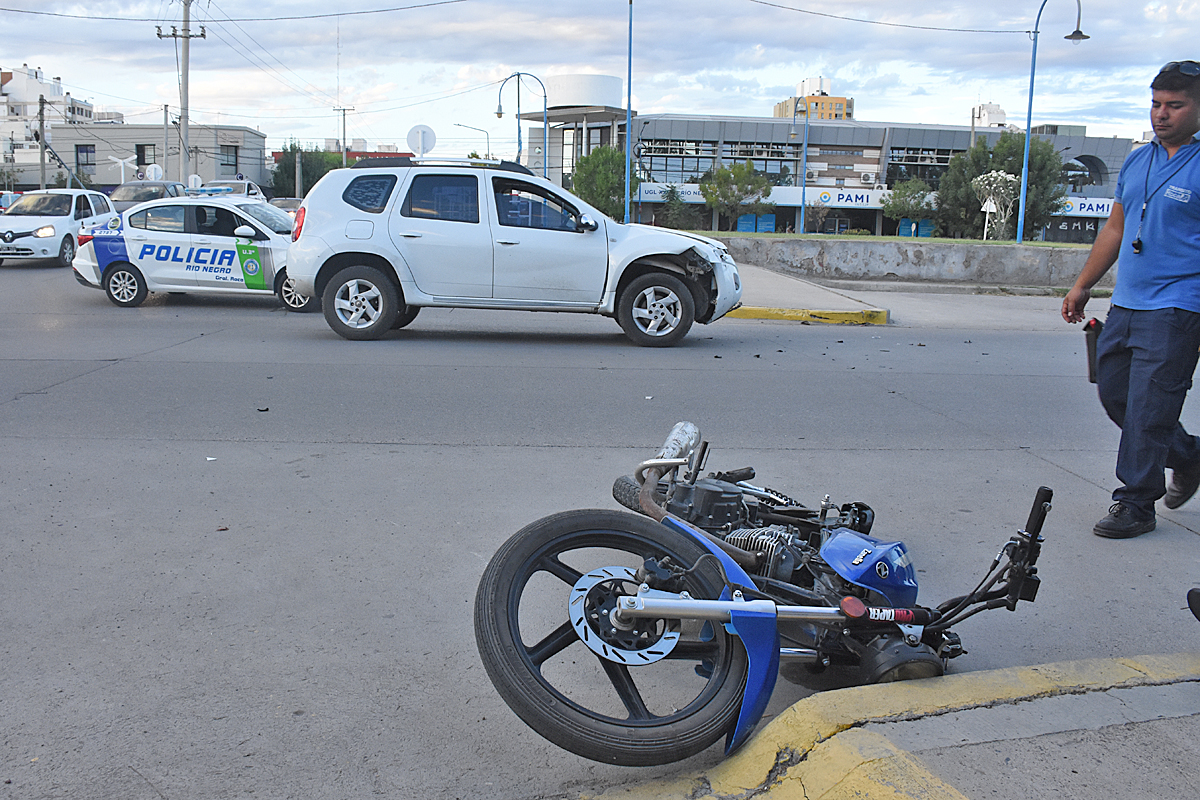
759 634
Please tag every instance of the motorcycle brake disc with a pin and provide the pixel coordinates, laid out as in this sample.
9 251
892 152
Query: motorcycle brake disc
590 605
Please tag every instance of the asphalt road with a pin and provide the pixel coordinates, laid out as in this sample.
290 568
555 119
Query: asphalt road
239 553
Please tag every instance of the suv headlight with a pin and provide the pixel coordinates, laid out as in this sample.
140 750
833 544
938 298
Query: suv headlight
44 232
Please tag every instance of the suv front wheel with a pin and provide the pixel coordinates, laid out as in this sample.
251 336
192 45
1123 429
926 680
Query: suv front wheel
360 303
656 310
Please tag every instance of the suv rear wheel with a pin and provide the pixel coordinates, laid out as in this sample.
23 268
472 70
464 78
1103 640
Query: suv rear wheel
360 303
656 310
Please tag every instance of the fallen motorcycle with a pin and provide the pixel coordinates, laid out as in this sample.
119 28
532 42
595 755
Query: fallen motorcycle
642 639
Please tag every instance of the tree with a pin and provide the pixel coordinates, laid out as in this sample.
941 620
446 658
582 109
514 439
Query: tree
817 212
912 199
1000 190
599 179
1045 193
736 191
959 212
675 212
313 166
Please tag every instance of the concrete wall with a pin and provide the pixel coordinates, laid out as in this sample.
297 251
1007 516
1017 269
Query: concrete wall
999 264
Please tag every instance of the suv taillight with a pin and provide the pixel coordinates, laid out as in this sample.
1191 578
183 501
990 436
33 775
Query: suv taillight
83 239
299 223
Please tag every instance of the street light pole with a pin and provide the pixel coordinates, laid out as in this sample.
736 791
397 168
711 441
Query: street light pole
804 167
1076 37
629 111
488 154
545 115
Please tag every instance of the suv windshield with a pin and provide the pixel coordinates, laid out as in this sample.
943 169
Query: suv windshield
42 205
269 215
138 194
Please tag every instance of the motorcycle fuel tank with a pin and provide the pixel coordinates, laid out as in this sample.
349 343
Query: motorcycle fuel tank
882 567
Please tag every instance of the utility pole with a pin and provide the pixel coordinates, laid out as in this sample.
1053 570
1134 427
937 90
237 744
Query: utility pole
42 137
186 35
299 177
166 138
344 147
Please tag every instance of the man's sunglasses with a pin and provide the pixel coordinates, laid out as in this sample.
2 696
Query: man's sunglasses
1186 67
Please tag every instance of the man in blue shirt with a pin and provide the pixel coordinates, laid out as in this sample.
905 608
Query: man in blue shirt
1147 351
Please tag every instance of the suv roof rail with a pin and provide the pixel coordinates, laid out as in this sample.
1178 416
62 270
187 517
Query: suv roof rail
409 161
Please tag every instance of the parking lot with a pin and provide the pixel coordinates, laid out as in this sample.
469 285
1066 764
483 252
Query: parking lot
239 553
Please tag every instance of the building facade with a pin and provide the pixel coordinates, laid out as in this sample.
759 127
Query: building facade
101 153
850 164
28 100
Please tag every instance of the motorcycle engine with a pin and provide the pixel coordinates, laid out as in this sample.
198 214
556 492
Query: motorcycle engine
711 504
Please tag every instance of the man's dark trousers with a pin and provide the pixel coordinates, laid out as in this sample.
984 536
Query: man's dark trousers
1144 366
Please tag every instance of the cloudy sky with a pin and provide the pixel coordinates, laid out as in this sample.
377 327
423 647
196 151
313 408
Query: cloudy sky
282 67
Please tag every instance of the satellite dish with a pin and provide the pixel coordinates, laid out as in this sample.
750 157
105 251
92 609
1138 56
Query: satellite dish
154 173
195 181
421 139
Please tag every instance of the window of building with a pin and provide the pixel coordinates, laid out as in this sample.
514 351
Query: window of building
229 159
85 159
145 155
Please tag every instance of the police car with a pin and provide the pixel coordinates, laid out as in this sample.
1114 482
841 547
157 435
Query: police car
212 244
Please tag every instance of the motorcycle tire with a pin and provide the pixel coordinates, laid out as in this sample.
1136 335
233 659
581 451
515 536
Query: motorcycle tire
626 490
600 709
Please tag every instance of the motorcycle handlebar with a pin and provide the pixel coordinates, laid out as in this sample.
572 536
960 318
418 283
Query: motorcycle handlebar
1037 514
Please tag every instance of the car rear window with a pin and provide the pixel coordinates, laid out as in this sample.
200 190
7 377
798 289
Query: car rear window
370 192
454 198
138 194
167 219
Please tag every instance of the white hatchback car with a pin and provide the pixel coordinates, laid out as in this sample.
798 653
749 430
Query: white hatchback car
386 237
223 245
45 225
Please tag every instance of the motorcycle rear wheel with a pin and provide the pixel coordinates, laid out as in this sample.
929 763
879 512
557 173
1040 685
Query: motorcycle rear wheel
600 709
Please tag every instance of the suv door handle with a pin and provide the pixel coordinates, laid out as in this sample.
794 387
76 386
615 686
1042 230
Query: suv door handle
411 235
507 241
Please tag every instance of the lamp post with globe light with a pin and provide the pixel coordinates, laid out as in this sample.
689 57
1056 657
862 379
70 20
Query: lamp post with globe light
1077 36
545 115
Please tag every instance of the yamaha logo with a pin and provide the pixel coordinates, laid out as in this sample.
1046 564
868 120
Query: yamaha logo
251 266
881 569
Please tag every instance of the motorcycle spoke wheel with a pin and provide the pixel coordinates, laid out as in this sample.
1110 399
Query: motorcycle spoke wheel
600 709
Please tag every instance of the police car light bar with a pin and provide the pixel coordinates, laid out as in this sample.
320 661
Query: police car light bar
211 190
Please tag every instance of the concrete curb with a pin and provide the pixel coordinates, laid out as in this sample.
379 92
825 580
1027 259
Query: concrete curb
868 316
817 749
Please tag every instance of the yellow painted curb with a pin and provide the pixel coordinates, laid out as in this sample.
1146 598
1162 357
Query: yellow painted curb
816 749
868 316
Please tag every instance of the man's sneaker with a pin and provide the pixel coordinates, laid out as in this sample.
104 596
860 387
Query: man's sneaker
1184 483
1123 522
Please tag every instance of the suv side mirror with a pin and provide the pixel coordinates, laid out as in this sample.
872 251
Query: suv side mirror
586 223
243 232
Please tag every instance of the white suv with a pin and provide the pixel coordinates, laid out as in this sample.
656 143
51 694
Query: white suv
380 240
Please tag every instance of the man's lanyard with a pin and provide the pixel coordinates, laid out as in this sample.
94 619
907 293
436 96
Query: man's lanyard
1137 239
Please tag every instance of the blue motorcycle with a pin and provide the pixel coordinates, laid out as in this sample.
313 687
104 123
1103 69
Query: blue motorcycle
643 639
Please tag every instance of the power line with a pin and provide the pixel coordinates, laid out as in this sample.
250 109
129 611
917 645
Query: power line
94 18
878 22
304 83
